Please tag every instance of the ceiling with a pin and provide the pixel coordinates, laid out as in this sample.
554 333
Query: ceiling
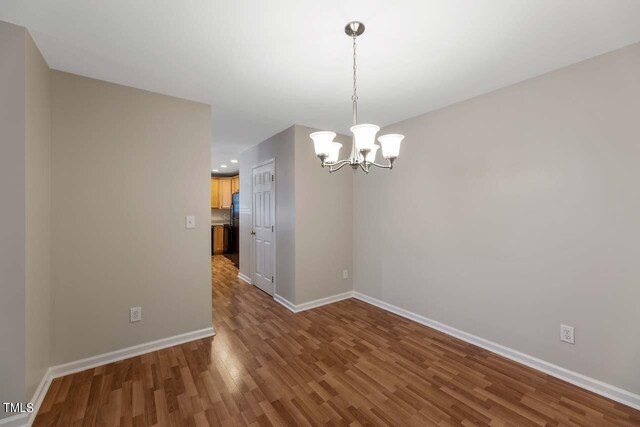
264 65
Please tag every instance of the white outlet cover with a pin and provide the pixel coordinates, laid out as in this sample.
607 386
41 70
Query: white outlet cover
189 221
567 334
345 274
135 314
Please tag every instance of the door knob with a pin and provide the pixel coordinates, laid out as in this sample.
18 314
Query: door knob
253 233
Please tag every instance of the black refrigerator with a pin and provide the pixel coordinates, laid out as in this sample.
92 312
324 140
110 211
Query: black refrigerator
233 245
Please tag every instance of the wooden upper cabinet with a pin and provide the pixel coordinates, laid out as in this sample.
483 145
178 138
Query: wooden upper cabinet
225 193
235 184
215 193
221 190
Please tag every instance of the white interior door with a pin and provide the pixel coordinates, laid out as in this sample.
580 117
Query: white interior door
264 211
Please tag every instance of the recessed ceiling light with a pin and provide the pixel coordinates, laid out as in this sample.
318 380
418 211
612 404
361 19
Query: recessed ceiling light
234 161
223 166
215 170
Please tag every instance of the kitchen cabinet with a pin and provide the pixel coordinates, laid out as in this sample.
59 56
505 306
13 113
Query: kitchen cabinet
235 184
215 193
225 193
218 239
221 190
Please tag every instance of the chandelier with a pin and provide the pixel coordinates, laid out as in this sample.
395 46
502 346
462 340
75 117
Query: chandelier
363 147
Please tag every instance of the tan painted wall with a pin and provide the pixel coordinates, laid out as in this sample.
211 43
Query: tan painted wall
313 217
516 211
38 216
281 148
323 222
12 212
128 165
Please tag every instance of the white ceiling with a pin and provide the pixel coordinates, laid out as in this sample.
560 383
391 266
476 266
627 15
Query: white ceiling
266 64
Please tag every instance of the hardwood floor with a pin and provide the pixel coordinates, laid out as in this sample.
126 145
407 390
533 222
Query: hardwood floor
347 363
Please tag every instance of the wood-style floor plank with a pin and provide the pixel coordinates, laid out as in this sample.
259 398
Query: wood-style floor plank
347 363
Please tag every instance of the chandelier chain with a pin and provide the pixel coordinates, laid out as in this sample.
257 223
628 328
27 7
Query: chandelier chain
354 97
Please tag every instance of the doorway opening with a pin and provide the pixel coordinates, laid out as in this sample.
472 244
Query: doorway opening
225 208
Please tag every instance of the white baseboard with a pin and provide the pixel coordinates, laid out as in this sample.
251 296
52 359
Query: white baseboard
607 390
27 419
19 420
312 304
323 301
245 278
39 395
285 302
91 362
125 353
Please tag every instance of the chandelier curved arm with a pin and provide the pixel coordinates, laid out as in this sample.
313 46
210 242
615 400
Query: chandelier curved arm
340 164
387 166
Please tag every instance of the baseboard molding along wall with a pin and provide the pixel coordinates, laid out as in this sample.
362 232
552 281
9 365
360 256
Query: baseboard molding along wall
599 387
245 278
125 353
19 420
311 304
285 302
94 361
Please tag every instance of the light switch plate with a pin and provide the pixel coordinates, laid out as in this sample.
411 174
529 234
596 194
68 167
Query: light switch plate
189 221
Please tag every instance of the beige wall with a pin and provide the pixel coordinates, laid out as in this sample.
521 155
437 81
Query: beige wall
25 170
281 148
313 218
12 214
511 213
128 165
38 215
103 175
323 222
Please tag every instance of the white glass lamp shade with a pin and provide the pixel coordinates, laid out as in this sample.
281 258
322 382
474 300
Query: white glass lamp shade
364 136
390 145
334 152
371 155
322 141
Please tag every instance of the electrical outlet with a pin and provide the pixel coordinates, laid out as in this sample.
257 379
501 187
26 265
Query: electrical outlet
135 314
190 221
345 274
567 334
